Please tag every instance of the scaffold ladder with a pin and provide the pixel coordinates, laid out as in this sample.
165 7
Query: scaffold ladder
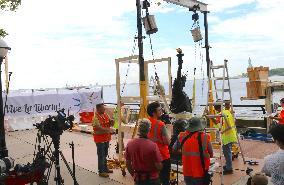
220 100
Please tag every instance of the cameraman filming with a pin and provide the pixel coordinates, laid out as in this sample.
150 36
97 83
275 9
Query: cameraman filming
102 136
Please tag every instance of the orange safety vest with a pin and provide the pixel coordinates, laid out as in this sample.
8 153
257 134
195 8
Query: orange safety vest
191 161
100 137
156 136
281 116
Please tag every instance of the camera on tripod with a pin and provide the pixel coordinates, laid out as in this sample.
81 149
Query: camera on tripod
44 158
249 173
54 126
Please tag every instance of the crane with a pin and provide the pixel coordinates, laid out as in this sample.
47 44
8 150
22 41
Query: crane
192 5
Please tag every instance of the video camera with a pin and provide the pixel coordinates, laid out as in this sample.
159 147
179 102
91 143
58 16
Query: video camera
178 126
249 173
54 126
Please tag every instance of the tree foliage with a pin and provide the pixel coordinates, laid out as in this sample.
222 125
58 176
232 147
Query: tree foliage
3 33
8 5
276 72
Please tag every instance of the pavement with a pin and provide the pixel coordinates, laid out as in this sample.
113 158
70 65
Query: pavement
21 147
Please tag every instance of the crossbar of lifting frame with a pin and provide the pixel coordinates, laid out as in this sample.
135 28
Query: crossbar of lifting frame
189 4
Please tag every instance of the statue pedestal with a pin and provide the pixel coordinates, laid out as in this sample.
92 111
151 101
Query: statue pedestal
183 115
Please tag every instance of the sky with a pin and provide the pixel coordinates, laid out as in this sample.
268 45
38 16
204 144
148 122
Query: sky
67 42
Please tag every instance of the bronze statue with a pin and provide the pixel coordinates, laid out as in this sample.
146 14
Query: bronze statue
180 101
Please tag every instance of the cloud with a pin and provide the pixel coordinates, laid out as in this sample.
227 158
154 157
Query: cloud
255 34
55 43
221 5
66 42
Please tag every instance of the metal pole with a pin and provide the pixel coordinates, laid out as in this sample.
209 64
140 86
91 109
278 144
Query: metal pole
143 87
207 47
7 92
208 63
268 106
56 143
3 148
140 42
73 160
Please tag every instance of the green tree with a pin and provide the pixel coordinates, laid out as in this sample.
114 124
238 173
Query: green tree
277 71
8 5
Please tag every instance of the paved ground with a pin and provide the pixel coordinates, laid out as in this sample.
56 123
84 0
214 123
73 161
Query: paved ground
21 146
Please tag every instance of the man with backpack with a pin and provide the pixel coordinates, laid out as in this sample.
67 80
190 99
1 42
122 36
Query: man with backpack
196 151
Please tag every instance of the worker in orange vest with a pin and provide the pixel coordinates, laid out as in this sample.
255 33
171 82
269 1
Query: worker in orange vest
160 136
196 151
280 116
102 136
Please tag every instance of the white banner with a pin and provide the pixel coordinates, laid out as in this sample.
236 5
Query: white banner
36 103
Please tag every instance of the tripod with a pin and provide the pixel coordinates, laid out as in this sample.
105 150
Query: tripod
55 161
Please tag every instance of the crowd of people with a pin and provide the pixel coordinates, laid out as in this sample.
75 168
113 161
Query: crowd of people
148 156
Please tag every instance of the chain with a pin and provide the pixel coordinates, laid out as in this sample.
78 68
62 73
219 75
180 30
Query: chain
196 25
152 51
155 68
195 52
201 68
128 66
153 57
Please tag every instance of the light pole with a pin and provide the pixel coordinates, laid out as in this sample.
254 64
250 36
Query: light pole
3 149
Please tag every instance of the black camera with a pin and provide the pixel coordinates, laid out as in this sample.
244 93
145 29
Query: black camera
249 173
54 126
178 126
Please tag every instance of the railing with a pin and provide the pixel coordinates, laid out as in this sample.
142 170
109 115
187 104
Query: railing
249 106
262 107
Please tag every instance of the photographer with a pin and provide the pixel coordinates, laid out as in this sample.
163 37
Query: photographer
280 115
102 136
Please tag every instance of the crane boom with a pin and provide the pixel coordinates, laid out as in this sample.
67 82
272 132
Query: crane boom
189 4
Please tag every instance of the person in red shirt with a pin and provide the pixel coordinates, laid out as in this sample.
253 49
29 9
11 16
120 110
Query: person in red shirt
143 158
280 116
160 136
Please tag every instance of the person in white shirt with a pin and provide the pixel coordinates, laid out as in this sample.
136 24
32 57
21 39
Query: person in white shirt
274 163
